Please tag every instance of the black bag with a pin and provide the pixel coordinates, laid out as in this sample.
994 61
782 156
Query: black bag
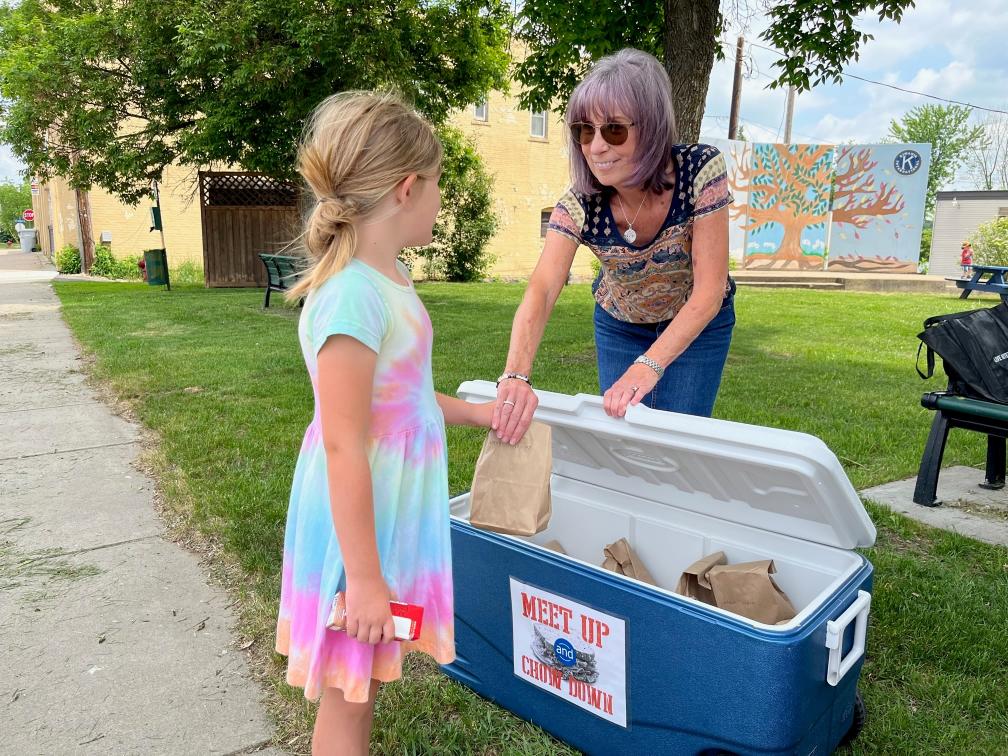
974 350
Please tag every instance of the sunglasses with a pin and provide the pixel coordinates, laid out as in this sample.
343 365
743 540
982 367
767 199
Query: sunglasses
613 133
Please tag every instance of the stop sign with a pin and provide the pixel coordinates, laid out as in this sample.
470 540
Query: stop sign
28 215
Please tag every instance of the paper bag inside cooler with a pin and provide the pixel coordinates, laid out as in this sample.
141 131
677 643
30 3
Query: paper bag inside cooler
511 484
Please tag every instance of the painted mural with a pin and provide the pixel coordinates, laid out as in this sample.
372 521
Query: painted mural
797 206
735 154
878 207
788 209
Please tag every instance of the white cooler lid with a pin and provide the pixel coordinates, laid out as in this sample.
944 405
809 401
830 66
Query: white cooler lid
776 480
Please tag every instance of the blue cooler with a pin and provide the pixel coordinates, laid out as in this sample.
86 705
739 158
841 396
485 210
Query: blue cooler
614 666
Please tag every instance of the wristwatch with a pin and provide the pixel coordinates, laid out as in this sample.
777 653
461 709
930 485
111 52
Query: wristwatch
519 376
645 360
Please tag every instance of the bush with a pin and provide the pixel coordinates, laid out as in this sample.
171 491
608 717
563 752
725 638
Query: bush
187 272
990 243
106 265
466 221
68 259
129 268
925 245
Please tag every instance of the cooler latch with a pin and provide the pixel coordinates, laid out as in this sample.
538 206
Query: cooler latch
835 629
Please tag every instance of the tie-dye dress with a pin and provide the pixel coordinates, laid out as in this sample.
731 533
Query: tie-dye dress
407 454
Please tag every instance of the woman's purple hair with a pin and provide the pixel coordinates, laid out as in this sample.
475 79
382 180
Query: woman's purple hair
637 85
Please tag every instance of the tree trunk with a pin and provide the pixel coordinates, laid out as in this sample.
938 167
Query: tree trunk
691 39
86 232
790 248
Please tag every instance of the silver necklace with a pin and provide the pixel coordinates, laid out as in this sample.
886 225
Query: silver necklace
630 235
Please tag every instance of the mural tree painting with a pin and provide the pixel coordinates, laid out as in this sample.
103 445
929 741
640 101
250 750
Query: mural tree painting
857 202
788 187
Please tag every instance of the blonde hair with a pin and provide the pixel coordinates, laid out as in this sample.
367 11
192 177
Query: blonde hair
357 146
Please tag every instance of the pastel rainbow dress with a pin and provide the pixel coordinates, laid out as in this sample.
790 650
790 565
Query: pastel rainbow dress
407 452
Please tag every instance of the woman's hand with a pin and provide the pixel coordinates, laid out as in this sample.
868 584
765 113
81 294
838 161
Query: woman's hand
512 413
369 618
632 386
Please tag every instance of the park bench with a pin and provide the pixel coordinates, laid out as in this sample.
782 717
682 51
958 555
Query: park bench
282 272
988 278
953 411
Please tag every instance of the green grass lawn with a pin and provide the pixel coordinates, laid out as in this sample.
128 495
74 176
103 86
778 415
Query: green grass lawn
222 384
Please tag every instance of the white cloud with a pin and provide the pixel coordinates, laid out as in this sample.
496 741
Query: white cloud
954 51
10 166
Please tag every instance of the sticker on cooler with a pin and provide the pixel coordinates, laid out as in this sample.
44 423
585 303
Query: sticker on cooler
570 650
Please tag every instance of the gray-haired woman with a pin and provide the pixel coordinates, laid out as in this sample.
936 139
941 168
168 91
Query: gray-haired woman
654 212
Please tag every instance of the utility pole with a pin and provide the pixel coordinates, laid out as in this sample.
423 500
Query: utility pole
789 115
736 96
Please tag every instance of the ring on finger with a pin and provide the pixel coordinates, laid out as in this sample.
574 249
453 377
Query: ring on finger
634 389
508 401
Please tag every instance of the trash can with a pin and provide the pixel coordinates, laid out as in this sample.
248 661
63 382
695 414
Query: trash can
27 237
615 666
156 267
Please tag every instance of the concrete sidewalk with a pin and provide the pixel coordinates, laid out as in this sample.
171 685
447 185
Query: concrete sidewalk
111 640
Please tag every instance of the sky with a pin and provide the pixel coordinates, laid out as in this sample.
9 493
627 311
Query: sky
953 50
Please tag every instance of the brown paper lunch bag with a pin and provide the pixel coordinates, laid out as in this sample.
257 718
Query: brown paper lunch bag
511 484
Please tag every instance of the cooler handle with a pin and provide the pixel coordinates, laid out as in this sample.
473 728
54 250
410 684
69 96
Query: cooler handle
835 629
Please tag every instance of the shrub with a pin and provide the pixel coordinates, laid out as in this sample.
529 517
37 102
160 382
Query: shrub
104 263
68 259
466 221
925 245
129 269
990 243
107 266
187 272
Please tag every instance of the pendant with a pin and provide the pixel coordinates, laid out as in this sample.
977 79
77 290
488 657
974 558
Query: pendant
630 235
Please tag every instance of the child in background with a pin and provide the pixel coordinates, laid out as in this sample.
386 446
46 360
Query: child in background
368 511
966 260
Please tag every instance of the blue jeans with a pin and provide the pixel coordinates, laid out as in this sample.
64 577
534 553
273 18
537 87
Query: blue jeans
690 384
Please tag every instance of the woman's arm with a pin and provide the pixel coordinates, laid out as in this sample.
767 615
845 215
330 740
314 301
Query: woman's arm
710 272
345 380
516 402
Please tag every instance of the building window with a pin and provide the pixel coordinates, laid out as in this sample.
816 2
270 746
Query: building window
544 217
539 124
481 112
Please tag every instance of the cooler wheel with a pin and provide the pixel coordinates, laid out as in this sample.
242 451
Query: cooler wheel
857 722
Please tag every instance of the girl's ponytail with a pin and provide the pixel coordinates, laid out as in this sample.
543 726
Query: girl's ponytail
357 146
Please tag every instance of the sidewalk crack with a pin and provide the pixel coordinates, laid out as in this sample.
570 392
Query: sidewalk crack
68 451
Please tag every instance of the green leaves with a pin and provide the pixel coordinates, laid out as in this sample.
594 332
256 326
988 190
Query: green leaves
467 220
990 243
564 38
14 199
108 92
818 39
946 129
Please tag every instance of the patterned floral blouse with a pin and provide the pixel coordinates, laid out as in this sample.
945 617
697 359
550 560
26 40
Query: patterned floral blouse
649 283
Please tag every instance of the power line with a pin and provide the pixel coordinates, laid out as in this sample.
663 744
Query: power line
768 129
780 54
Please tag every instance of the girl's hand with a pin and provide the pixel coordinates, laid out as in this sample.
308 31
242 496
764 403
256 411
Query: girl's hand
632 386
512 413
369 618
482 416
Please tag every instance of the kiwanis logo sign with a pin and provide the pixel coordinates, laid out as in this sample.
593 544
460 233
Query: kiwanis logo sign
570 650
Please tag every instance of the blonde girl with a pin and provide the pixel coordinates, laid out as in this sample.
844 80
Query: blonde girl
368 509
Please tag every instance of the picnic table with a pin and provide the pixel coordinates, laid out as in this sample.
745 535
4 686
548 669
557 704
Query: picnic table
994 282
